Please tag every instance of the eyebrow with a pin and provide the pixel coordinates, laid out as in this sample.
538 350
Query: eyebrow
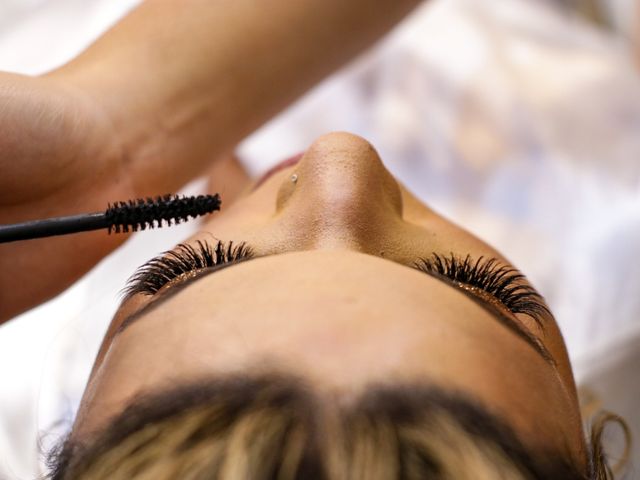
513 325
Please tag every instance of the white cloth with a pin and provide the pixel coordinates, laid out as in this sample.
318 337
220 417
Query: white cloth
515 121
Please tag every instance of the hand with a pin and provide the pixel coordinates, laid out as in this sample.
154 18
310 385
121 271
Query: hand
151 104
54 141
60 155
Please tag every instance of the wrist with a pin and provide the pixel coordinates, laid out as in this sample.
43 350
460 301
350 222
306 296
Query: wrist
124 129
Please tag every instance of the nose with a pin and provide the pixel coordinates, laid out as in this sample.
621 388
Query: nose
340 194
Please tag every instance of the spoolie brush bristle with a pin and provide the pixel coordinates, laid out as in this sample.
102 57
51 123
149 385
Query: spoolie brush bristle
141 214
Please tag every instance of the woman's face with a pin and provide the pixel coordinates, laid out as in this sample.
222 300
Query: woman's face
332 294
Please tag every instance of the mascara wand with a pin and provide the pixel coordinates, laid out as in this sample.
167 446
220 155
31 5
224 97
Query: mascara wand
119 217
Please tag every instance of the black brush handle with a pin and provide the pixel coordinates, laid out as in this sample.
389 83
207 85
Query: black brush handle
120 217
52 226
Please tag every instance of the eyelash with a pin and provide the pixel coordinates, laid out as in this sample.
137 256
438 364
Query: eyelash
498 280
185 258
489 275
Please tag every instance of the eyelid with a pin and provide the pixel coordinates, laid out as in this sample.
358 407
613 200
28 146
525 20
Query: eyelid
485 300
476 292
490 279
179 284
508 318
183 260
479 293
185 278
496 307
190 276
502 283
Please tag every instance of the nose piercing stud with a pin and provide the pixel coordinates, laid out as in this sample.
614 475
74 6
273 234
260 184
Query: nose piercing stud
294 178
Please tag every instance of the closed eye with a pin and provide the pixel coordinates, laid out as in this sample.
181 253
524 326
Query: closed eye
185 259
502 282
186 263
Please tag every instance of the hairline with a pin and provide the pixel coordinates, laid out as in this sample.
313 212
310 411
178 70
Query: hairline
474 417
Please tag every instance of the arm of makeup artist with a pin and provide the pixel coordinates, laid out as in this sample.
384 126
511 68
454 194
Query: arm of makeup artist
170 89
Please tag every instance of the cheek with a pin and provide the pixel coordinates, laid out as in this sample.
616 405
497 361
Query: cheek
437 233
450 237
235 225
411 241
246 217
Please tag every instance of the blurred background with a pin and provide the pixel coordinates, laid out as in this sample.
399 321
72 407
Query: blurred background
518 119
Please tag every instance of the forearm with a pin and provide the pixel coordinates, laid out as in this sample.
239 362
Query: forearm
189 79
173 85
42 129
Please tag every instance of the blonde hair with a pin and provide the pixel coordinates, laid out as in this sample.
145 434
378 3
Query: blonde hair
273 427
602 470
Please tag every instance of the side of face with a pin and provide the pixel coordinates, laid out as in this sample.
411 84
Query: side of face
332 294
